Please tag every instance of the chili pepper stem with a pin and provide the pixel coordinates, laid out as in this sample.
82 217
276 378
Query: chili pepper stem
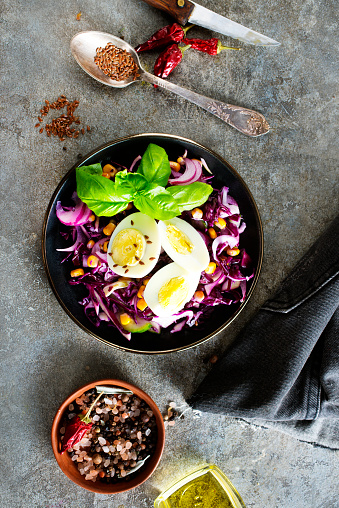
187 28
221 47
183 48
86 418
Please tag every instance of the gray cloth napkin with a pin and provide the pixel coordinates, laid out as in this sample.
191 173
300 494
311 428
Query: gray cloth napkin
283 369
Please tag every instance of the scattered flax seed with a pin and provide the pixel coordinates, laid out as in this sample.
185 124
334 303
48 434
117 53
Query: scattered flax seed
141 263
151 259
147 237
61 126
148 241
132 223
137 259
116 63
126 270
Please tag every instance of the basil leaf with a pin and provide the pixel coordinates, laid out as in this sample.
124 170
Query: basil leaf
157 203
129 184
154 165
93 169
191 195
98 193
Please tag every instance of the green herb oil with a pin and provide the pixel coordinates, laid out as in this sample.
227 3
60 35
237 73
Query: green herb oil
200 493
205 488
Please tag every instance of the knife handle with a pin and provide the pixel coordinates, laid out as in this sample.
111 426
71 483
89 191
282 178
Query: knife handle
180 10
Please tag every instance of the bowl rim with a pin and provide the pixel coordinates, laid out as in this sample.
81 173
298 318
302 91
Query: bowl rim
97 486
115 142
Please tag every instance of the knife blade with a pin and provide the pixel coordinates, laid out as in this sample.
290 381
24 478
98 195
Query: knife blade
185 11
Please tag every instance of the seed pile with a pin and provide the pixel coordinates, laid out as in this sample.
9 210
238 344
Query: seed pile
62 125
124 432
116 63
171 414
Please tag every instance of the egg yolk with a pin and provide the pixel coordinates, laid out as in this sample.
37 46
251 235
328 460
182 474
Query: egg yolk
128 247
178 240
173 292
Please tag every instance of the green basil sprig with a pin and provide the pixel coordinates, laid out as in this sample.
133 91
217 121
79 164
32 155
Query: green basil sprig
146 188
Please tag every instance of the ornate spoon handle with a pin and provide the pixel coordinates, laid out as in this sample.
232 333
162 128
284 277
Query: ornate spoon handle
244 120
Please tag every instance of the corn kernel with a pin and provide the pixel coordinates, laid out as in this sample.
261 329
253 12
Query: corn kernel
90 244
220 223
145 281
141 292
175 166
77 272
107 168
197 213
180 160
106 175
104 246
233 252
199 296
92 261
108 230
211 267
141 304
125 319
91 218
212 233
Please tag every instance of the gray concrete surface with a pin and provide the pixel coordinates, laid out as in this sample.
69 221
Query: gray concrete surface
291 173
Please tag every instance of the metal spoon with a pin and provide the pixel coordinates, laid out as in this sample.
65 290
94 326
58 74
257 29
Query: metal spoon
85 44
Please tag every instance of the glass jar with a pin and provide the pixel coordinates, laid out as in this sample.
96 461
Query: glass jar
205 487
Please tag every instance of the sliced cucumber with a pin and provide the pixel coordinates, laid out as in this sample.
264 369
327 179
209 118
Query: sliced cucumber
139 327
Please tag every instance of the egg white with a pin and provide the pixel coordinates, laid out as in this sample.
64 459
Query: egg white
146 226
159 279
198 259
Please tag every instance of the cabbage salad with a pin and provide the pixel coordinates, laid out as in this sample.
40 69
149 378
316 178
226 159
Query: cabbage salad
154 244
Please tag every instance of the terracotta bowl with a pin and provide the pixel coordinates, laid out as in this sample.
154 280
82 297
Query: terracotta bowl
69 467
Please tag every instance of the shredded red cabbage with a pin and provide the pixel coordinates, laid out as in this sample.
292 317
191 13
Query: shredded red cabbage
73 216
107 298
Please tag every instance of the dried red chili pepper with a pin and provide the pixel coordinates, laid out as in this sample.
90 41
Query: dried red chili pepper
77 428
75 431
211 46
166 35
168 60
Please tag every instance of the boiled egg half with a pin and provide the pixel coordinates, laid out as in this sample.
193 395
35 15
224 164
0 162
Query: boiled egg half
134 247
169 289
184 244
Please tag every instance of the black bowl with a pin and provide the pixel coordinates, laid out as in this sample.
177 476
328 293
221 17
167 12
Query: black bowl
124 151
